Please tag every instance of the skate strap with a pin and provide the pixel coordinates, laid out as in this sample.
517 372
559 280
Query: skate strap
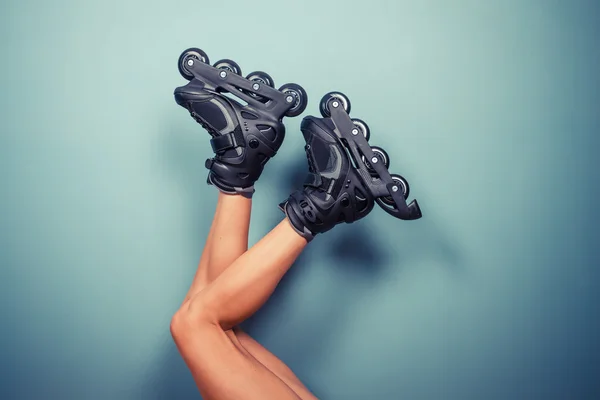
317 181
228 141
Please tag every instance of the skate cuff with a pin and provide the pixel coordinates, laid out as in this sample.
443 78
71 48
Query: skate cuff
228 141
317 181
295 224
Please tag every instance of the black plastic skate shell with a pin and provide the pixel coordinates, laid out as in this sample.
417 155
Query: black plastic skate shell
247 131
390 191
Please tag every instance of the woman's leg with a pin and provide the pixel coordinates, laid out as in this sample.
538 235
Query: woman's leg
226 241
220 368
274 364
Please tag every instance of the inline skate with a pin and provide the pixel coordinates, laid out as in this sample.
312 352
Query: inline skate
346 176
244 136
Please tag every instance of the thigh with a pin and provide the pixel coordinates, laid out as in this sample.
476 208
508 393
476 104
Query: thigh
223 370
273 363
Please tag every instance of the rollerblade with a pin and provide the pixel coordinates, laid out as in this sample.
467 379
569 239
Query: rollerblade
346 176
244 137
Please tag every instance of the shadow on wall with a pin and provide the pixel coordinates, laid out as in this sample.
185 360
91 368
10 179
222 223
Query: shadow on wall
356 253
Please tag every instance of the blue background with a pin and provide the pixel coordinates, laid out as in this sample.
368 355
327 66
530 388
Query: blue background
491 110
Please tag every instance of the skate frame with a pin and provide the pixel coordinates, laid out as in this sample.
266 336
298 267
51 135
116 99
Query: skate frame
357 144
220 80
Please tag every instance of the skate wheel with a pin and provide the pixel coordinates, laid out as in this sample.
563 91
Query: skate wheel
329 98
228 65
381 155
190 54
261 77
362 127
403 184
300 98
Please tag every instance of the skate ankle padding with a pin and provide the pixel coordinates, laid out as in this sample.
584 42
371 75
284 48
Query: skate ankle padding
295 222
247 192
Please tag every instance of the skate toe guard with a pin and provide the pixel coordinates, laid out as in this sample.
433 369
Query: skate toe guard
193 91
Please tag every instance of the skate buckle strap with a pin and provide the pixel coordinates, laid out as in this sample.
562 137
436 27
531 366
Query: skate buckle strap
317 181
228 141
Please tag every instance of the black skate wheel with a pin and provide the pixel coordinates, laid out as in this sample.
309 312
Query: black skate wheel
403 184
228 65
190 54
362 127
381 155
300 98
327 102
261 77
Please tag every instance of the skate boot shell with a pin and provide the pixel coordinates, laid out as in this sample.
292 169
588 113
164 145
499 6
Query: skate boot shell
246 133
347 176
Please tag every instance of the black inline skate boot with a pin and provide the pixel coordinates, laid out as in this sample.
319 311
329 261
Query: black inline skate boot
244 137
346 175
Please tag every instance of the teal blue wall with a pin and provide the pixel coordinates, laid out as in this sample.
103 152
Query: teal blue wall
490 109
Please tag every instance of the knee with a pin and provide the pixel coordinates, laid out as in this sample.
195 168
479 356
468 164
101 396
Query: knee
180 322
191 317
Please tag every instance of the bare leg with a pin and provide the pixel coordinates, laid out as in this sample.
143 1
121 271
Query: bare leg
226 241
220 368
278 367
246 285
